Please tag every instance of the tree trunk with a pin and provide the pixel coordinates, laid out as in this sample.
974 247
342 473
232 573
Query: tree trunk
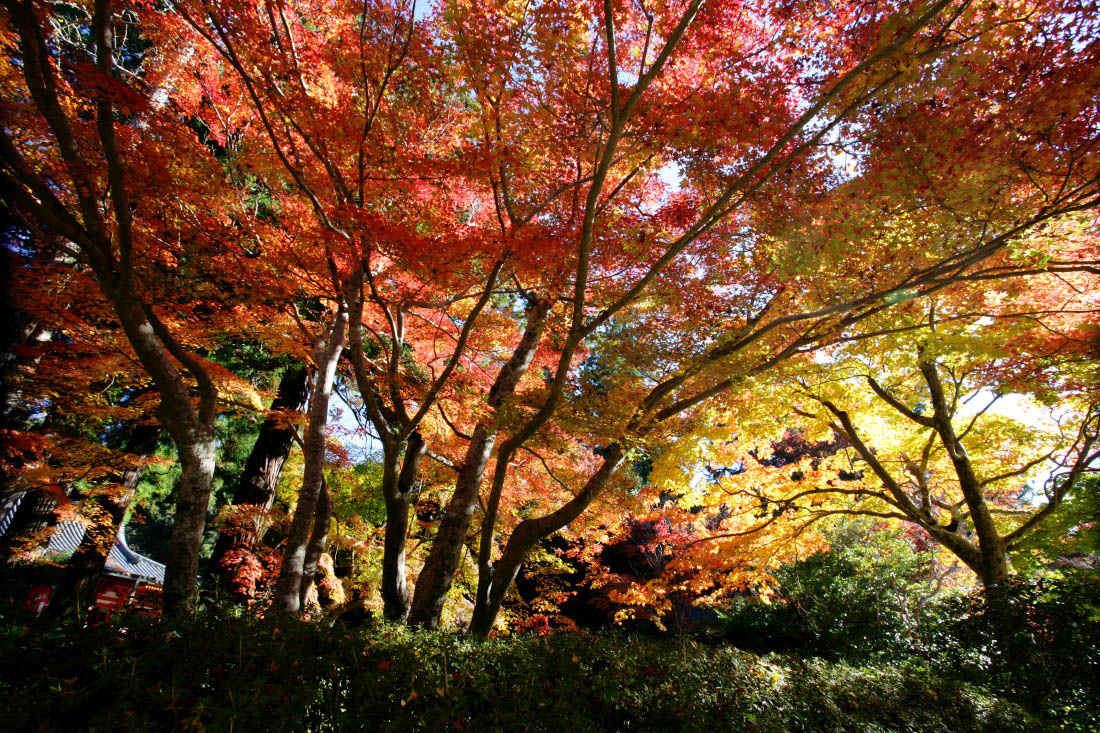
436 577
489 525
399 492
86 564
288 590
524 537
322 522
994 561
193 434
181 567
254 492
994 566
438 572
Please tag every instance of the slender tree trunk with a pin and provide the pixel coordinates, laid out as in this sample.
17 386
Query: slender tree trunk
86 564
994 560
318 538
399 491
254 492
488 527
524 537
436 576
438 572
287 601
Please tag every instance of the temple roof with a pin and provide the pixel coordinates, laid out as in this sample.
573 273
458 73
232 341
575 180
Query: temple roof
121 560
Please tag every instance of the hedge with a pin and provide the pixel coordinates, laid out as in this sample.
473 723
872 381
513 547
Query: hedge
239 674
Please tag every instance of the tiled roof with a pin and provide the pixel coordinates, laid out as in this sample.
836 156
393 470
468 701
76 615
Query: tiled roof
8 504
121 561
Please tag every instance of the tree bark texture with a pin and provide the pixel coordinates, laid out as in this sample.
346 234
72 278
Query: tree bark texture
994 560
181 567
399 492
254 492
288 589
436 576
318 538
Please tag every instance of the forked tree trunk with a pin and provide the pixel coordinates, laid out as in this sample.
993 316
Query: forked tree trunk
436 576
994 559
494 585
254 492
288 589
398 492
400 460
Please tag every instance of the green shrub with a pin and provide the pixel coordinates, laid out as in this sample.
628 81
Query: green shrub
860 599
1034 641
222 673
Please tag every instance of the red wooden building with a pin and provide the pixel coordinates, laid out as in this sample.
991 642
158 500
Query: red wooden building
128 579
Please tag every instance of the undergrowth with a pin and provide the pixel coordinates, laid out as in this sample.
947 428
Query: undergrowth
221 672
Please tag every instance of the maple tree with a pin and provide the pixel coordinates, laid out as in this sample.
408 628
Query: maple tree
539 239
923 442
972 497
670 280
366 190
901 427
87 134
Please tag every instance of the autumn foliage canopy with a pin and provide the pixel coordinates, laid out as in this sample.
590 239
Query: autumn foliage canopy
573 265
